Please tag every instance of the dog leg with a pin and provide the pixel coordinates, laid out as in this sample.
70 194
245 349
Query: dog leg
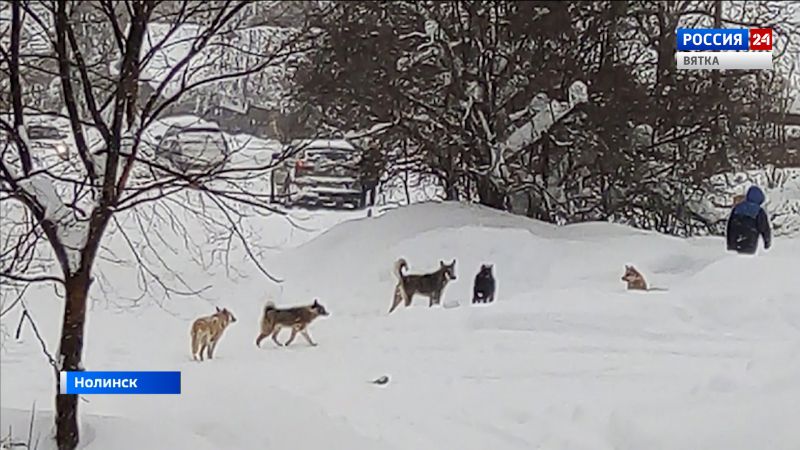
211 348
291 338
406 296
260 338
304 332
398 298
202 350
275 337
195 346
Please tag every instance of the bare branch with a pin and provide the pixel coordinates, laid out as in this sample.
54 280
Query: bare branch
27 315
64 63
29 279
16 90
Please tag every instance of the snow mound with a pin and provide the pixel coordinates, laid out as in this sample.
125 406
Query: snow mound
351 264
97 432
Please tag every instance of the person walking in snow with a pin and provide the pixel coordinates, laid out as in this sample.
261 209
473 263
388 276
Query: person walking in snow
747 221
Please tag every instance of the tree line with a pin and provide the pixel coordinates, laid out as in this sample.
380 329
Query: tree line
446 88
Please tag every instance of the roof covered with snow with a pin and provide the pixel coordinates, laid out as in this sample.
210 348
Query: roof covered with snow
333 144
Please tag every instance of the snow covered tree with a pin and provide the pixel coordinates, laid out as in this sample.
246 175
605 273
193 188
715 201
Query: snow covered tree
111 97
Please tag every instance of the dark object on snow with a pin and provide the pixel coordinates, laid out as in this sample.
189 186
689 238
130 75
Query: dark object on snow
382 380
747 221
483 290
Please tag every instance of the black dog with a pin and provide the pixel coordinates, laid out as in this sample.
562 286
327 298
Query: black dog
483 291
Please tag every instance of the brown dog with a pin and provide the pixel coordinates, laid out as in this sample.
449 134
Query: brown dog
207 331
635 279
297 318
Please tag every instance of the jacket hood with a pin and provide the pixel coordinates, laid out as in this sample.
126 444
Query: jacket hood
755 195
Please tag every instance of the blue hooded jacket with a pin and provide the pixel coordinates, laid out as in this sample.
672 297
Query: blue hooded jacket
752 203
747 221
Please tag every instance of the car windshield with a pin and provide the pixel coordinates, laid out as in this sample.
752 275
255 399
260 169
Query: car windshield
179 131
330 155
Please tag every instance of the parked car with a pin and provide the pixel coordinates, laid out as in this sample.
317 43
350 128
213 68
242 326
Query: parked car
49 138
319 173
192 144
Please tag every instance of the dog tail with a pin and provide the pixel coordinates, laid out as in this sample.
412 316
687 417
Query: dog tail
399 265
270 306
195 341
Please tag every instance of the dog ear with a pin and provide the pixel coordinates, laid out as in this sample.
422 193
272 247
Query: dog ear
316 302
218 310
453 263
441 263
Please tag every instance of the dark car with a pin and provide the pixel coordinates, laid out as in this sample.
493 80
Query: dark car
320 173
51 138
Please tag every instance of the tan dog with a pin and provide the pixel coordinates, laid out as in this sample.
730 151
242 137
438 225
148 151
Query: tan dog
207 331
297 318
635 279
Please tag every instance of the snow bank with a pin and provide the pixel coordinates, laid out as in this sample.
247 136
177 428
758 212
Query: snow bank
522 250
97 432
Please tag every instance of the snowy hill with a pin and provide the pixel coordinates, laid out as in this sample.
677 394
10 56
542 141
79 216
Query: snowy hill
566 359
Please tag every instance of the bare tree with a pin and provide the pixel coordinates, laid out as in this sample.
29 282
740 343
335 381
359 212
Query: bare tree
112 98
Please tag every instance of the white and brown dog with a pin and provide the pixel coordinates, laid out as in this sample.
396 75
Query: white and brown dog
635 279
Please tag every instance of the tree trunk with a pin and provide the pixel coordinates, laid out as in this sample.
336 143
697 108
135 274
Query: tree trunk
451 192
71 351
488 193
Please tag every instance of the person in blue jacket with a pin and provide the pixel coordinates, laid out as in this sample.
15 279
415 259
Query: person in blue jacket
747 221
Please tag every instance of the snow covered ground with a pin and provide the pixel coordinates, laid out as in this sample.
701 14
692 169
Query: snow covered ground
565 359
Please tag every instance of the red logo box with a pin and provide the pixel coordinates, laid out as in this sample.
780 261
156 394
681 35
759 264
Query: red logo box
760 38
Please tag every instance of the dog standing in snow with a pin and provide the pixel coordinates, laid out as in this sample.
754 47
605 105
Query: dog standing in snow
483 289
207 331
635 279
430 285
297 318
